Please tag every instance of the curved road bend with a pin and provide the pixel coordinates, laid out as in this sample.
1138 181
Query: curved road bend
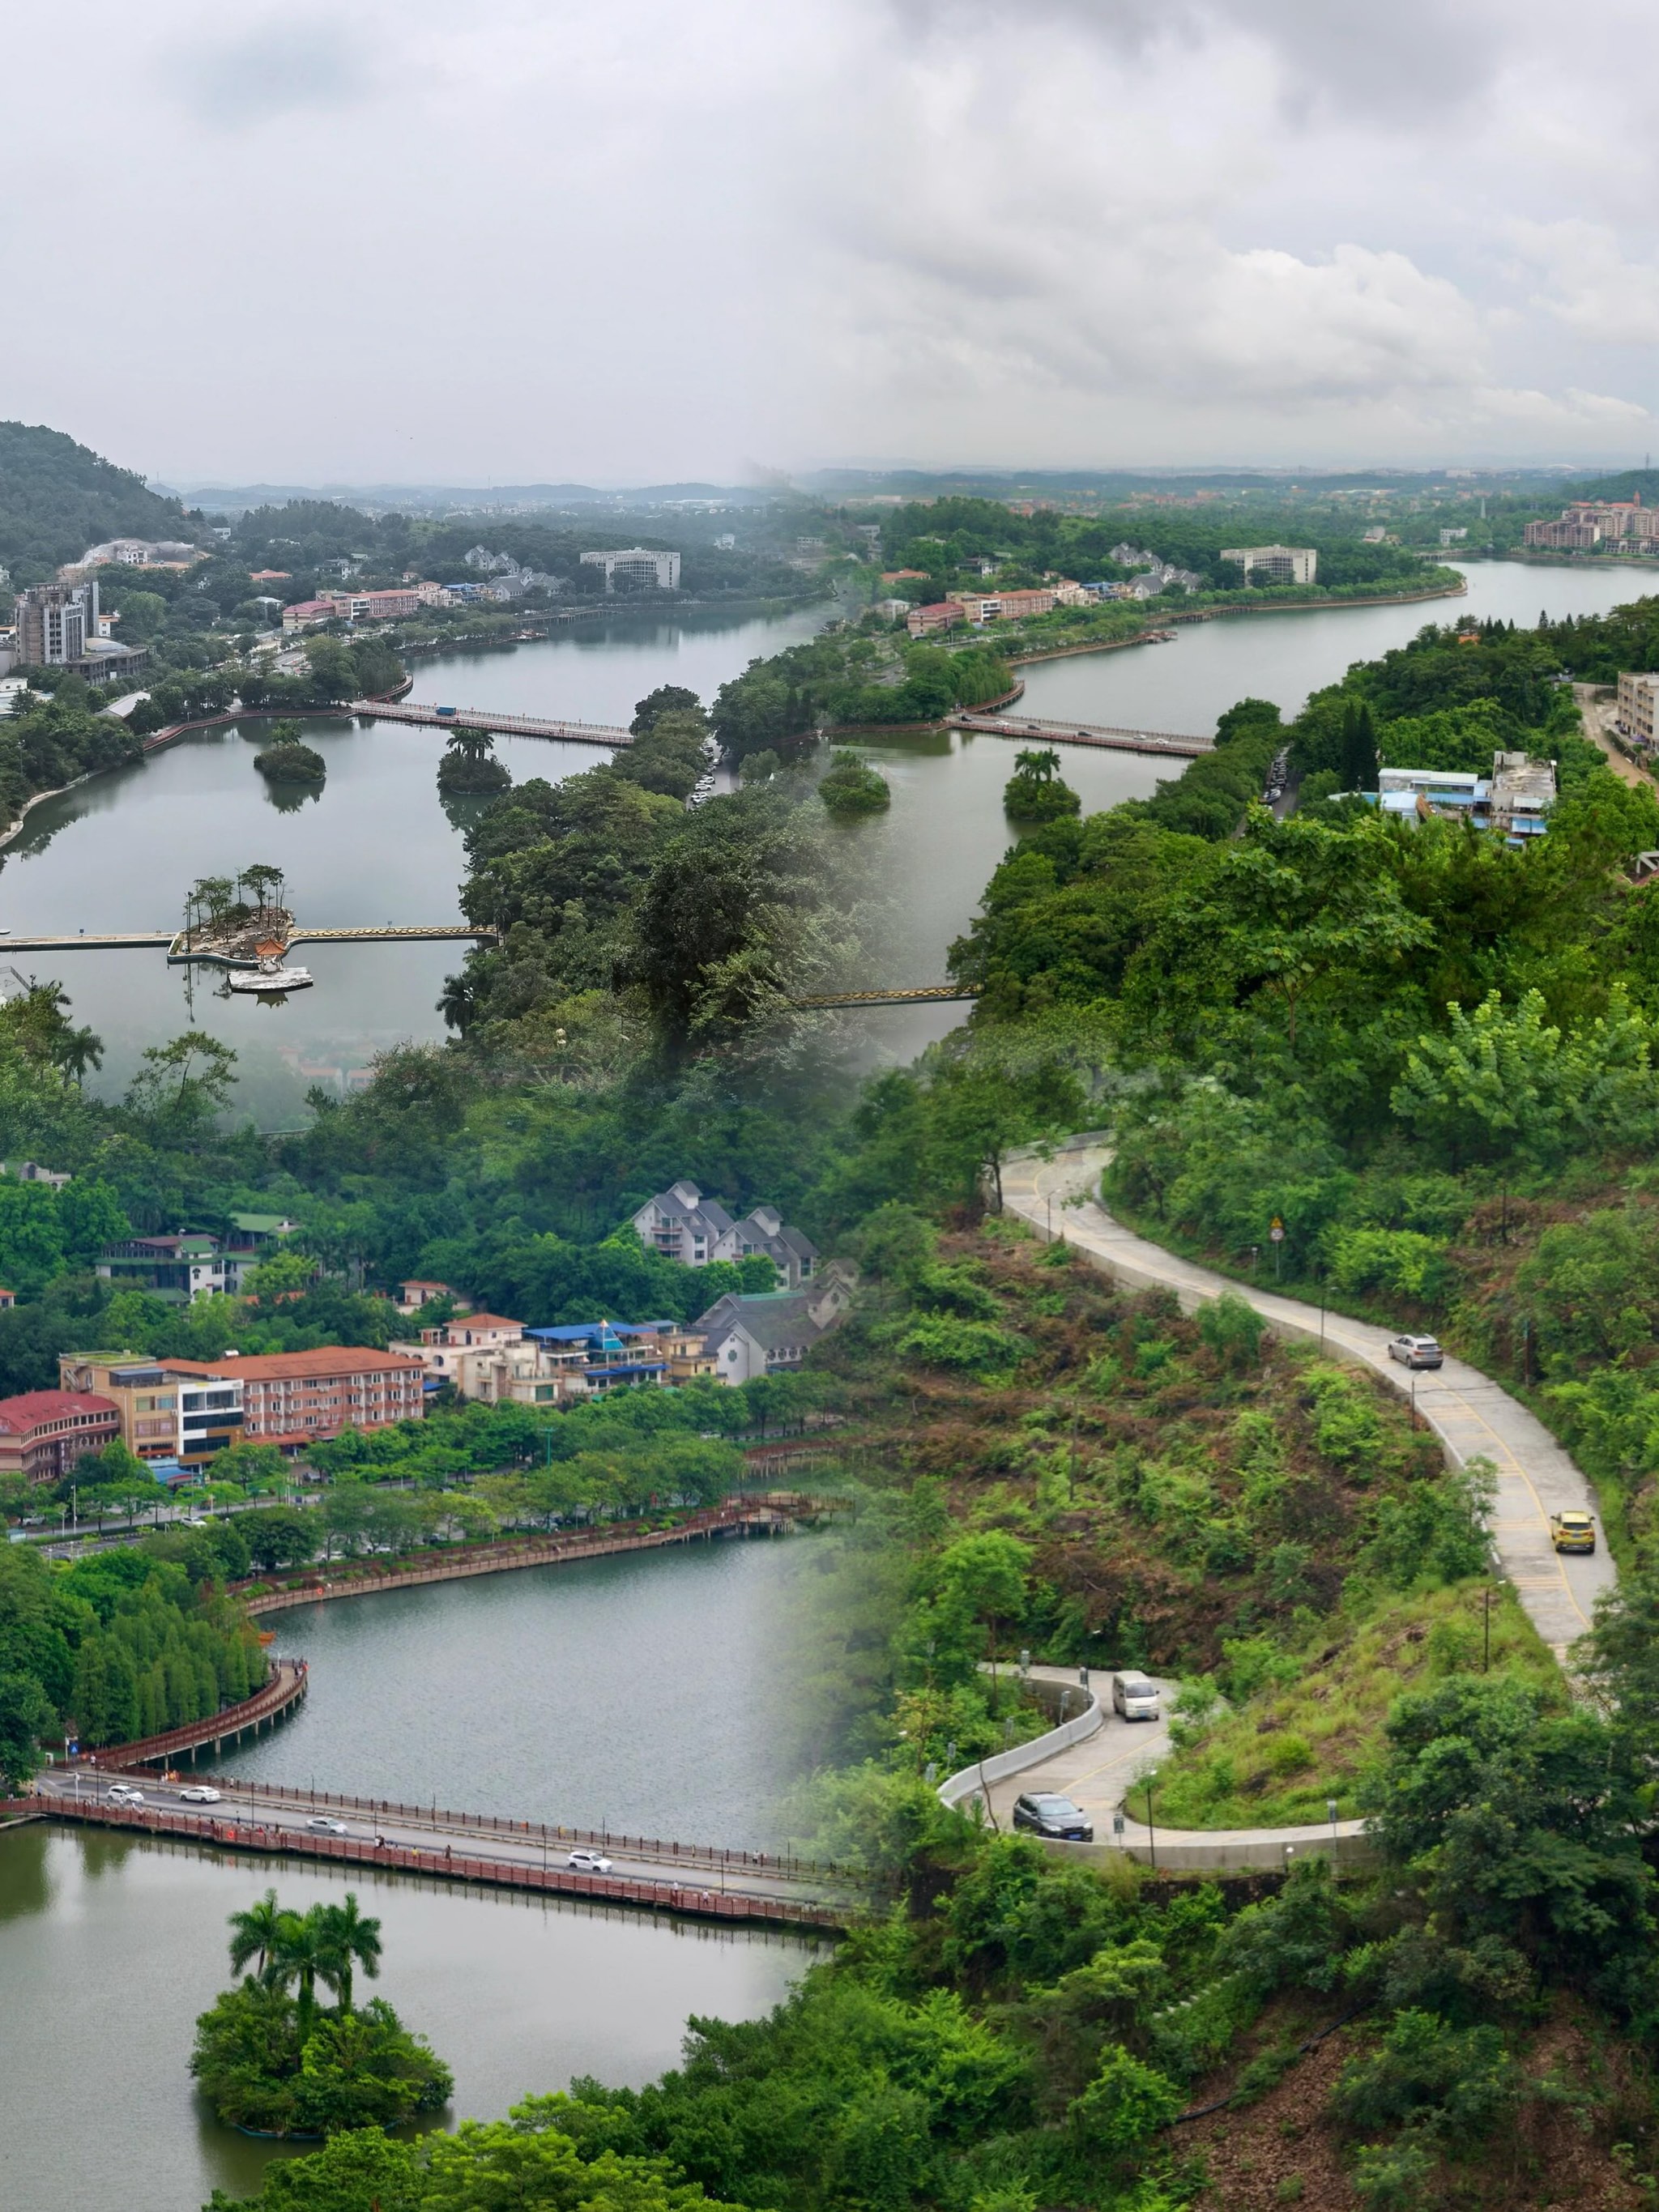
1467 1410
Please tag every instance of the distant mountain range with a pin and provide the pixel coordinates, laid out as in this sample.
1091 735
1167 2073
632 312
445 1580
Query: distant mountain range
463 499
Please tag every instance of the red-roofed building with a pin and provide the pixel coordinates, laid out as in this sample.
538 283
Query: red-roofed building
296 1398
44 1432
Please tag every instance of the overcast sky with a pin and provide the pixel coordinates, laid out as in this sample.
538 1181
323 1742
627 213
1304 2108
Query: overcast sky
407 241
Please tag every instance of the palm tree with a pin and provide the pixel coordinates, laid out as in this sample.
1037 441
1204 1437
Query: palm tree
1041 765
254 1934
301 1951
352 1940
77 1050
471 744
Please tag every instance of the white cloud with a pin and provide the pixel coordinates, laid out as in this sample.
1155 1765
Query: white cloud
1593 289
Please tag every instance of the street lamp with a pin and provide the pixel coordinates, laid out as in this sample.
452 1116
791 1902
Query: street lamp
1147 1781
1330 1814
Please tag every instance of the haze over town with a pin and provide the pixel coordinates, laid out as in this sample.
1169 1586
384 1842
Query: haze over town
545 241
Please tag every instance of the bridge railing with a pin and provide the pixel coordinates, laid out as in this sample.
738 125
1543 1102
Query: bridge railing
511 1873
285 1684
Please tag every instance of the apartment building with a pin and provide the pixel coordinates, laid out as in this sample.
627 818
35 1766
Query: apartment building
489 1358
941 614
44 1432
1275 564
292 1399
1637 694
637 564
1003 606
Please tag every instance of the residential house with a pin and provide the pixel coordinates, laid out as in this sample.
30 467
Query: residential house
749 1335
628 1355
44 1432
489 1358
416 1293
31 1171
1639 691
192 1264
682 1225
761 1234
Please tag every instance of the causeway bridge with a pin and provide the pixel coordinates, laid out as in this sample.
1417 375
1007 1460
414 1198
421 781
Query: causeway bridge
176 945
1032 730
495 719
707 1880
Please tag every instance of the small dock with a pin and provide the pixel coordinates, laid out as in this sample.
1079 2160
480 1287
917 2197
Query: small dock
496 720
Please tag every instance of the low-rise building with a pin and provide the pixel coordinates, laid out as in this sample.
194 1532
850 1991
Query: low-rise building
1275 564
44 1432
494 1361
747 1334
418 1292
192 1263
31 1171
941 614
1635 715
292 1399
147 1395
1513 800
1005 606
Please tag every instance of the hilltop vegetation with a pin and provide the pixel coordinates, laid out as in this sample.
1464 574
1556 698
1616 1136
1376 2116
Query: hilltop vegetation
57 497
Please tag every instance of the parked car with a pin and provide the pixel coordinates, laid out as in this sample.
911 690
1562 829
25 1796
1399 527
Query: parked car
199 1793
324 1826
1416 1352
583 1862
1045 1814
1573 1532
1134 1697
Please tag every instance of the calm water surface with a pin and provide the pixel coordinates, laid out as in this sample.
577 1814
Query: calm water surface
376 845
649 1692
109 1949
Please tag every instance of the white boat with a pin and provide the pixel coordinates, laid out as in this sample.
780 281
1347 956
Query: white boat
263 979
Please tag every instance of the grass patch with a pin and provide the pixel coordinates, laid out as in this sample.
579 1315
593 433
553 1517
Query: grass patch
1273 1760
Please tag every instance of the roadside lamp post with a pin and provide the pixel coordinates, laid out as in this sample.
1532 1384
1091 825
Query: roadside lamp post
1330 1814
1147 1782
1485 1630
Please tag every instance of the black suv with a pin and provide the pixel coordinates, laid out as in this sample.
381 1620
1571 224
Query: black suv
1045 1815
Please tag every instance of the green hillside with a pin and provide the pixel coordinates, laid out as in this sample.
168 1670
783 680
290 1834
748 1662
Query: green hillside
57 498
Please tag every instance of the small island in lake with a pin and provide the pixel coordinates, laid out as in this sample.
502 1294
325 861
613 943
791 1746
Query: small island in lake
1035 792
853 786
272 2061
286 760
470 768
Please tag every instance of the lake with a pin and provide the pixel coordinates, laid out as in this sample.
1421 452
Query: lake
376 845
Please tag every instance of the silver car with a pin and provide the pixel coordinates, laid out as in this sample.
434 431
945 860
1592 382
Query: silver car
1416 1352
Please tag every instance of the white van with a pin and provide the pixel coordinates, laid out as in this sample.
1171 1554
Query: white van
1134 1697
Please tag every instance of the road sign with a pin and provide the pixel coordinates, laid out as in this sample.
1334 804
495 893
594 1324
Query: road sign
1277 1232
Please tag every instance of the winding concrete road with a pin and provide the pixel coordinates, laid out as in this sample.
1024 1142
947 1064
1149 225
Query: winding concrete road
1471 1416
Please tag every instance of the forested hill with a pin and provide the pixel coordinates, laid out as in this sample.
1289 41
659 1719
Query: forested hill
57 498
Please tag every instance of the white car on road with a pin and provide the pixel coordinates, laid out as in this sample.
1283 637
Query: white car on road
583 1862
324 1826
199 1793
123 1793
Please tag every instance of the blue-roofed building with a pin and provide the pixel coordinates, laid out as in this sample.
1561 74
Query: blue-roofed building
628 1355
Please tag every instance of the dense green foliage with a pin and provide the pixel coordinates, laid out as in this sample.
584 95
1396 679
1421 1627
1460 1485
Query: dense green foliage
853 786
269 2058
291 763
57 498
844 678
123 1645
1035 791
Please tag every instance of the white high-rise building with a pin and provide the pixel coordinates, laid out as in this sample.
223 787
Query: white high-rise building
639 566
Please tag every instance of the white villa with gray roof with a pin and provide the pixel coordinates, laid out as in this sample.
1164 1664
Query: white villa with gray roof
683 1224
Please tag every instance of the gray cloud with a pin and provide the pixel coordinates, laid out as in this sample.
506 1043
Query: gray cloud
290 64
547 239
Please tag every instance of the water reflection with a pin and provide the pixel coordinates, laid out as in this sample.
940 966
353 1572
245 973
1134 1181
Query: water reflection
119 1945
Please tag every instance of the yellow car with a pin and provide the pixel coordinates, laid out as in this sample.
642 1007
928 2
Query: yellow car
1573 1532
